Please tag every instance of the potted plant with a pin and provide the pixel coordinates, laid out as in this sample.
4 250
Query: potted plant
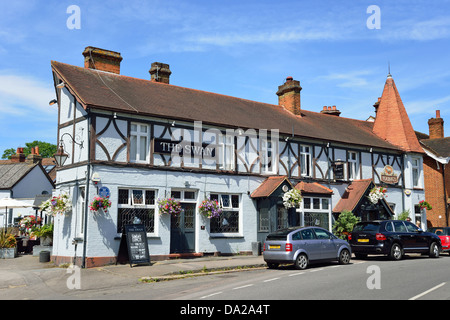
169 206
100 203
45 233
376 194
8 245
344 224
292 198
57 205
210 208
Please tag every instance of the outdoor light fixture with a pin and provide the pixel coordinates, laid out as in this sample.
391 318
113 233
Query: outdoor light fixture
60 155
60 85
52 102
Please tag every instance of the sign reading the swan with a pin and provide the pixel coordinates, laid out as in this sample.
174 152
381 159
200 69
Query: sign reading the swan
185 148
388 175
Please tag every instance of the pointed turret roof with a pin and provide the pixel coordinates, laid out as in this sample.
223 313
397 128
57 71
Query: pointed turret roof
392 122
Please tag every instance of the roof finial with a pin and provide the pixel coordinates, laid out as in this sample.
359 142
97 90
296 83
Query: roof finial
389 70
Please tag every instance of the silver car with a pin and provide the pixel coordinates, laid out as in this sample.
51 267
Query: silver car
303 245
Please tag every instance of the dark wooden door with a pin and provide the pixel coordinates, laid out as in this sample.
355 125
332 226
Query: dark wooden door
182 233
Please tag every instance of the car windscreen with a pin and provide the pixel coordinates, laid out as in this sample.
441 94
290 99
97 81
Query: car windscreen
280 234
367 226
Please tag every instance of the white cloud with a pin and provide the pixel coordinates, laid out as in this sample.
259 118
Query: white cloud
24 94
349 79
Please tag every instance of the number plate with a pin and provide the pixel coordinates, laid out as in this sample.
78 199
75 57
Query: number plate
274 247
363 240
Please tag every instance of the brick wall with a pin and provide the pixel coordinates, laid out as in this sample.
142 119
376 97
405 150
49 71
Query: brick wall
434 191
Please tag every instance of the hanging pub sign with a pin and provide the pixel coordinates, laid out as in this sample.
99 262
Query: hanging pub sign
185 148
338 170
388 175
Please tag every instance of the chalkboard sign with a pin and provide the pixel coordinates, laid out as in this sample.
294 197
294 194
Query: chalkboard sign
137 244
338 170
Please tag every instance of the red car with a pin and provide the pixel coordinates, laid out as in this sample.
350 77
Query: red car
444 235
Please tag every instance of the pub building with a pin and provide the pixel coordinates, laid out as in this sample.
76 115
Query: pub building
137 141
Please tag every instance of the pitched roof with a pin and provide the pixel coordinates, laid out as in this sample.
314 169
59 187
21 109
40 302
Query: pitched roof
268 186
109 91
313 187
352 195
392 122
12 173
440 146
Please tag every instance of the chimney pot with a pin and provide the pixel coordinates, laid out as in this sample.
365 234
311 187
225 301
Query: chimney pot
438 114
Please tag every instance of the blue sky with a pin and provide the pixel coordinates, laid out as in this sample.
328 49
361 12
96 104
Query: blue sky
239 48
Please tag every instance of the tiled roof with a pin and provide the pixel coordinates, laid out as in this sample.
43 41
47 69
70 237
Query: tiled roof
440 147
313 187
11 173
268 186
392 122
108 91
352 195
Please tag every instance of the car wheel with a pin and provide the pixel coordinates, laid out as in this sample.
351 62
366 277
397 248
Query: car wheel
396 252
272 265
344 257
434 250
301 262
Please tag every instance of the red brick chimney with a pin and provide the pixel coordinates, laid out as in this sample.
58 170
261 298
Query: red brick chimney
19 156
289 95
331 111
100 59
160 72
436 126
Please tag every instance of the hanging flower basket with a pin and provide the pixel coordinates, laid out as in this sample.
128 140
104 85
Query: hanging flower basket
210 208
57 205
292 198
425 205
169 206
100 203
376 194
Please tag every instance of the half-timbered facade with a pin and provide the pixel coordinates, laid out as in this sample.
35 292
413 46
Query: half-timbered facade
138 141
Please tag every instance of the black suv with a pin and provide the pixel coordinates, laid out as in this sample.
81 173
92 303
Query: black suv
393 238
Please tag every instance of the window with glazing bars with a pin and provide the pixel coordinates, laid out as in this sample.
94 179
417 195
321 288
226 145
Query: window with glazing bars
136 206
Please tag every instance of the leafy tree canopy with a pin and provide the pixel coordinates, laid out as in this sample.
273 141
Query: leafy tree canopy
46 150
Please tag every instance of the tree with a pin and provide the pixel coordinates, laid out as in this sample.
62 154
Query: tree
344 224
46 150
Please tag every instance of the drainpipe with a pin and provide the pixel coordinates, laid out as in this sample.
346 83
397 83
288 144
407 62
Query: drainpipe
445 195
86 202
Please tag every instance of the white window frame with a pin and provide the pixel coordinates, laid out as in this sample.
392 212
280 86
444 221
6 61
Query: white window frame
138 134
311 209
416 168
305 160
141 205
228 209
268 156
227 156
353 165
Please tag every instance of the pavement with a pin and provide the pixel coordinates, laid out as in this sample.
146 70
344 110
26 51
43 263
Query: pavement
24 277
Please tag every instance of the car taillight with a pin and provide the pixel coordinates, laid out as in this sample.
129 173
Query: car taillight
349 237
264 247
380 236
288 247
446 239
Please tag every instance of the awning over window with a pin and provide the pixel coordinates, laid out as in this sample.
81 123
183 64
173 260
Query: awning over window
268 186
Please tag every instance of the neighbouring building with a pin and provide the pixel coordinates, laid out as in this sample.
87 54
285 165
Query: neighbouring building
436 172
140 140
23 178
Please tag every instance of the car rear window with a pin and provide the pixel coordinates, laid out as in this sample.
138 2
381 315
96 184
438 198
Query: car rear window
280 234
367 226
439 231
